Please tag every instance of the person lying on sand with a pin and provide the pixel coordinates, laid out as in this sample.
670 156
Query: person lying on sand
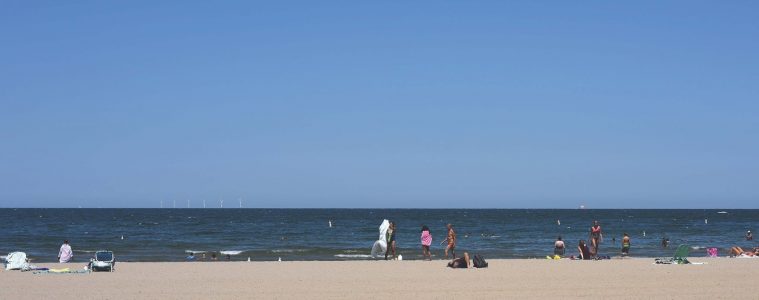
738 251
461 262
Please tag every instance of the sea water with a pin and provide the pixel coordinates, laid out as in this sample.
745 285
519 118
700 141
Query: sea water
305 234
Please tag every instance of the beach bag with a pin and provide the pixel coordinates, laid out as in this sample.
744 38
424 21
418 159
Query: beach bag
479 262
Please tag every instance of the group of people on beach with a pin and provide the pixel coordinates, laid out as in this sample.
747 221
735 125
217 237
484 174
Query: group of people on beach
426 241
585 252
591 252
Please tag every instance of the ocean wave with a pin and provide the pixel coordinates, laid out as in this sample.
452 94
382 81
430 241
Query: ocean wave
353 255
288 250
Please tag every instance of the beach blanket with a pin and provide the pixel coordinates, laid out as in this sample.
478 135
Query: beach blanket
62 271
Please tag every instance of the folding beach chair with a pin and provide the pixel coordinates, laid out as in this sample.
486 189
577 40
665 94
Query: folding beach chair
104 260
680 257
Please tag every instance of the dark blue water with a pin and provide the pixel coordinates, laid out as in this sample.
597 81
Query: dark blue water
304 234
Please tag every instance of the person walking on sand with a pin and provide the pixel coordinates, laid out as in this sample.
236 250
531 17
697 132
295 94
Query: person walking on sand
451 242
65 254
626 245
426 242
595 238
390 240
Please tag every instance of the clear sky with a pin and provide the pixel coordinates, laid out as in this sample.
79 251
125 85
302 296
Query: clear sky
407 104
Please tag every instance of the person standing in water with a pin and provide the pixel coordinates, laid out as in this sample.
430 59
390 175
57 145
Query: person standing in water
749 236
390 240
451 242
626 245
426 242
595 238
558 247
65 254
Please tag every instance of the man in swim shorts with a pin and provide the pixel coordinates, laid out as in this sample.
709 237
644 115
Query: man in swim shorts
626 245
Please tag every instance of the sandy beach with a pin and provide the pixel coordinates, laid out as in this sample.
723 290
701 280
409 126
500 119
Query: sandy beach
517 278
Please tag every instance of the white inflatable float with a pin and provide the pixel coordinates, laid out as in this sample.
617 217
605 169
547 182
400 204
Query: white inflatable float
380 246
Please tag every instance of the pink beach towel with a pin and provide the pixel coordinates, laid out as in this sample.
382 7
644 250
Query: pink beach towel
712 252
426 238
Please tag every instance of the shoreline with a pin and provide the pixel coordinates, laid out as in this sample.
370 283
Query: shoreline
523 278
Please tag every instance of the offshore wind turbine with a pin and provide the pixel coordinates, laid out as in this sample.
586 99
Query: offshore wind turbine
204 203
161 203
175 203
240 201
221 203
188 203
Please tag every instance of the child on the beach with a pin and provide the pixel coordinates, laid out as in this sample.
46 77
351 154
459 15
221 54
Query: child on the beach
390 235
426 242
451 242
626 245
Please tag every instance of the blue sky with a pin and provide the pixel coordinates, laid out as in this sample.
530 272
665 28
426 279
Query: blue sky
380 104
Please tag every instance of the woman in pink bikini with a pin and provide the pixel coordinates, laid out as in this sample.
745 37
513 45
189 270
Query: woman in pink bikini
426 242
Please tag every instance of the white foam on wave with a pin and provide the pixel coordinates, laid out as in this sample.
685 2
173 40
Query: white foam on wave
230 252
288 250
195 251
353 255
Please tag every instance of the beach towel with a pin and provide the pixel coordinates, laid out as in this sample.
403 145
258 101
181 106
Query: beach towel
380 246
426 238
62 271
712 252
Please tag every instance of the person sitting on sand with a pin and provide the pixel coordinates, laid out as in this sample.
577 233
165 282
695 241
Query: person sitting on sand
65 254
426 242
390 240
461 262
626 245
213 256
595 238
451 241
583 249
558 247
